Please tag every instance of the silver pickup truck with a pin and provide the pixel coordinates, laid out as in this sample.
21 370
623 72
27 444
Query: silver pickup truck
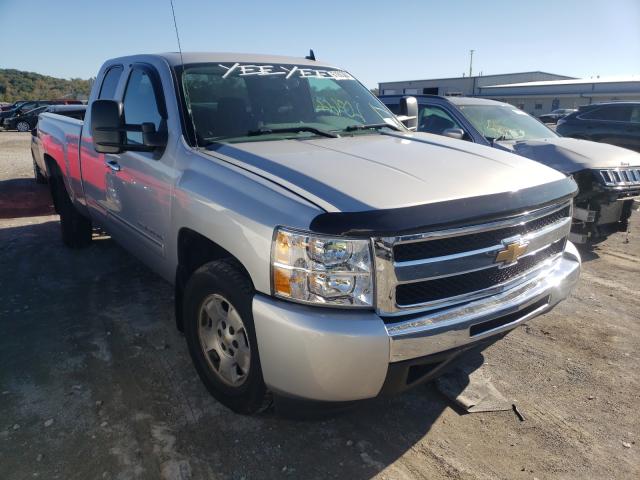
319 249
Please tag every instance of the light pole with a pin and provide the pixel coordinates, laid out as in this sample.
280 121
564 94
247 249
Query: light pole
471 63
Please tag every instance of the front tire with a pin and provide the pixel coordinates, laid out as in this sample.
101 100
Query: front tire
23 126
220 334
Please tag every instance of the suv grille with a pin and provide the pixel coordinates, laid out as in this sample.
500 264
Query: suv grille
621 177
432 270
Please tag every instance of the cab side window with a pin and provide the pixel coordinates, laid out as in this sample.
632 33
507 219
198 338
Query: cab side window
432 119
140 104
110 82
612 113
27 107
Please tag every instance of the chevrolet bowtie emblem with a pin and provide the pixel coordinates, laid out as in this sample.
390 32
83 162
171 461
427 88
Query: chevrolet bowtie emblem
511 253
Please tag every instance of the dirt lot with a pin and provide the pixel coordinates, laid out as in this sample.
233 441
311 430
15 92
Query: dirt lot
95 381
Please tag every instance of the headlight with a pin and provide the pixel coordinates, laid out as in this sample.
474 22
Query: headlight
314 269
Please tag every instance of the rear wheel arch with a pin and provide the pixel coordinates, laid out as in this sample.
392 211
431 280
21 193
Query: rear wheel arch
51 166
194 251
52 173
76 229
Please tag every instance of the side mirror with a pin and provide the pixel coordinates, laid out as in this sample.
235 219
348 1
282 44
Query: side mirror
456 133
409 112
152 138
108 130
34 132
107 127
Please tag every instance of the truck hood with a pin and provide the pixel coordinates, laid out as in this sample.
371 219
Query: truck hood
570 155
385 171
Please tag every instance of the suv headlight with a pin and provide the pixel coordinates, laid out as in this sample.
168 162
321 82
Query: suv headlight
320 270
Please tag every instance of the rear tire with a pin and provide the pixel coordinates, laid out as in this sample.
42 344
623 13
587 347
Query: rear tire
220 334
37 174
76 229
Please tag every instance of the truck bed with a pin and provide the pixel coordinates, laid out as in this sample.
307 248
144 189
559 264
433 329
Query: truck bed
59 138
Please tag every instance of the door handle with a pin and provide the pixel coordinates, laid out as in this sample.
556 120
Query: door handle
113 165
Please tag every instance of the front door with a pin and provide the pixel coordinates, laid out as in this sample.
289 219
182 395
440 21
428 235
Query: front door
138 189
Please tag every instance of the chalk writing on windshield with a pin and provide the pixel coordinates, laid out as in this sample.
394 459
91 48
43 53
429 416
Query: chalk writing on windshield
245 70
339 108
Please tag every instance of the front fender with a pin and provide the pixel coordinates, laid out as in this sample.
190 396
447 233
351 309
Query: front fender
237 210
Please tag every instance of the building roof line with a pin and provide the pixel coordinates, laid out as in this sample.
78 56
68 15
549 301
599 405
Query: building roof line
479 76
576 81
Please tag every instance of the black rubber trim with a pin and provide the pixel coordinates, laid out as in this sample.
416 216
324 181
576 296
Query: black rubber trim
483 327
448 214
402 376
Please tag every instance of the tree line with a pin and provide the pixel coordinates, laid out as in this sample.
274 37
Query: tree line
18 85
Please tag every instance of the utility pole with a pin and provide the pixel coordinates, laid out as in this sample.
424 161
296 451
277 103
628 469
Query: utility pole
471 63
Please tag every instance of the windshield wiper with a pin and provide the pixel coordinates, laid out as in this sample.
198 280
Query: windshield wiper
497 139
373 126
301 128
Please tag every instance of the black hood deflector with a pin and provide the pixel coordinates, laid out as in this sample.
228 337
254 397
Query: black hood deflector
443 215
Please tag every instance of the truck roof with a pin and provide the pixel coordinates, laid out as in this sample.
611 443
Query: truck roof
475 101
456 100
174 59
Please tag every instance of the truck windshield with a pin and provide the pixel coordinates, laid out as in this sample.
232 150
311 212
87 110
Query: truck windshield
238 102
498 122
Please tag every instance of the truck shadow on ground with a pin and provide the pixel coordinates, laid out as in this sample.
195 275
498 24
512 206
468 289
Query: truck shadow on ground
88 338
23 197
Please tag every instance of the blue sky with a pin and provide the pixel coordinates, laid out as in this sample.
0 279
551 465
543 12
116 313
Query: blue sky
374 40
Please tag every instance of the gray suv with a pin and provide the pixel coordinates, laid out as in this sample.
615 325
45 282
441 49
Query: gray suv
608 176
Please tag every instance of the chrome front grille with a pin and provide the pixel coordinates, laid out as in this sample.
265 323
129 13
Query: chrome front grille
432 270
620 177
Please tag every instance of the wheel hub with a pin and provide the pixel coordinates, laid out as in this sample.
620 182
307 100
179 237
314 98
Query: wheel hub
224 340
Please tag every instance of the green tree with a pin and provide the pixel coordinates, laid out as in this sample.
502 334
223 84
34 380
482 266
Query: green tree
18 85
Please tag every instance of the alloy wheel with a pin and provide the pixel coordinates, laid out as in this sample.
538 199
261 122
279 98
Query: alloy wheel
224 340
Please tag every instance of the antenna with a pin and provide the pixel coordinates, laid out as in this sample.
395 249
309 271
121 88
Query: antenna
184 87
175 25
311 56
471 63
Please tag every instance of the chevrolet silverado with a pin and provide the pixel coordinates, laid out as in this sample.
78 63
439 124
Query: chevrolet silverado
319 249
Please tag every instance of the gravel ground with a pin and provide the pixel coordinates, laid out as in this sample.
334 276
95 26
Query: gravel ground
95 381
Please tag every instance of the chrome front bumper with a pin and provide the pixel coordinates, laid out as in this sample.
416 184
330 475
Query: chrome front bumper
336 355
451 328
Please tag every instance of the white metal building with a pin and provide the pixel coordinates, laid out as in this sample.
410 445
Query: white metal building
535 92
543 96
463 86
